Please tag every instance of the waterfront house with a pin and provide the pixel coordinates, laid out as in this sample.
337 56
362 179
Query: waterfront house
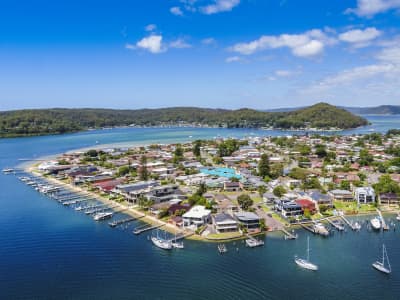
322 199
197 216
306 204
225 223
291 209
389 198
342 195
133 191
248 220
365 194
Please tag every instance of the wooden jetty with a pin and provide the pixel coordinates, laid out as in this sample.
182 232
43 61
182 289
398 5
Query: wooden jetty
307 227
349 223
336 225
288 235
96 210
147 227
181 236
123 221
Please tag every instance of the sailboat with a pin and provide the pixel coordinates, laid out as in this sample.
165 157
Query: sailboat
305 263
380 266
161 243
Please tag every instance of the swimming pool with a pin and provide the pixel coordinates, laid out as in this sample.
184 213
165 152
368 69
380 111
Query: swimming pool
221 172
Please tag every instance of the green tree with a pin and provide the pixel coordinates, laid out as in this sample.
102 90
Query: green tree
320 150
263 166
279 191
261 190
245 201
345 185
196 148
123 170
178 154
386 184
144 173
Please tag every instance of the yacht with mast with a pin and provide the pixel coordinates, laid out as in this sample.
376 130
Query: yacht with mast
380 265
161 243
305 263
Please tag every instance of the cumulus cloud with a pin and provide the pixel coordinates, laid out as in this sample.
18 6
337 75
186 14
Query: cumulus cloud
369 8
382 76
232 59
176 10
308 44
360 38
152 43
219 6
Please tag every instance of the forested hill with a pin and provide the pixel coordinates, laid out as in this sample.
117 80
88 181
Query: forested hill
57 120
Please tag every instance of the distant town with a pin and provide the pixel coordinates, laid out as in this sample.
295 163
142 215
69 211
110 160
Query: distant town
225 189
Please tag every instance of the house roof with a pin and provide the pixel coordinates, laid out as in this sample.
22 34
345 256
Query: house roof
224 218
247 216
197 211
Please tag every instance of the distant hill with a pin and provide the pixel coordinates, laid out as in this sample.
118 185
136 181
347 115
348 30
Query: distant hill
375 110
59 120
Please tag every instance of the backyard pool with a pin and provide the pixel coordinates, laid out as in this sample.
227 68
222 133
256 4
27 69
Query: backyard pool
221 172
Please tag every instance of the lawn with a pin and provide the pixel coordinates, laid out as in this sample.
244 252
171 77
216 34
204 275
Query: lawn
352 206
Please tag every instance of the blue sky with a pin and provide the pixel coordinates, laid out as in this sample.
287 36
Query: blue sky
209 53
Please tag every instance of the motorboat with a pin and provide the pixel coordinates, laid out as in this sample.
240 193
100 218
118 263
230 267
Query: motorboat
376 223
102 216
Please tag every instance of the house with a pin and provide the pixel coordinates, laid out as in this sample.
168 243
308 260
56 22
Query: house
177 207
342 195
225 223
107 186
248 219
133 191
322 199
177 221
306 204
164 193
389 198
365 194
291 209
269 198
231 186
197 216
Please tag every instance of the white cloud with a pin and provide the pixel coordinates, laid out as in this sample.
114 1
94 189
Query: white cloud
219 6
307 44
176 10
369 8
179 44
152 43
285 73
208 41
360 38
382 76
151 27
391 55
233 59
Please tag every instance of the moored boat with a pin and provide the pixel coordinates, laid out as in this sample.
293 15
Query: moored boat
222 248
254 243
102 216
376 223
161 243
320 229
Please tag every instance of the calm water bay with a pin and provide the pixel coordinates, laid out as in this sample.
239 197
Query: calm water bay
48 251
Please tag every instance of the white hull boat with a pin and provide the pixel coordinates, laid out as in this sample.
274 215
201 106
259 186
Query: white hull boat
376 223
305 263
380 265
102 216
160 243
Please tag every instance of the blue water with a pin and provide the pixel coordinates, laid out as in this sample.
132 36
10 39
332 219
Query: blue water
48 251
221 172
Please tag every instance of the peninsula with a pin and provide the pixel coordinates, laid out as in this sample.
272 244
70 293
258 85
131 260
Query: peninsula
30 122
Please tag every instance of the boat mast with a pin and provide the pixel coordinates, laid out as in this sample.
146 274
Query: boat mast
308 248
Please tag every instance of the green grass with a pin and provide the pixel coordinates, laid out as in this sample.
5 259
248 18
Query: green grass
224 235
352 206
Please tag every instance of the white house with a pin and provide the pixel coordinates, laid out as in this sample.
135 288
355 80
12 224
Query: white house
365 194
198 215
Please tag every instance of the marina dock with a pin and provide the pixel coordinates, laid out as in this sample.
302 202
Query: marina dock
351 225
288 235
336 225
147 227
307 228
123 221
